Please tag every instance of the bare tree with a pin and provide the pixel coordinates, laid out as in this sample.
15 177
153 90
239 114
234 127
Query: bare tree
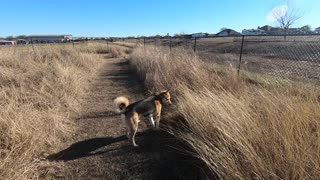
286 19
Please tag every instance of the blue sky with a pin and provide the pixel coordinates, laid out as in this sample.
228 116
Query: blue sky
103 18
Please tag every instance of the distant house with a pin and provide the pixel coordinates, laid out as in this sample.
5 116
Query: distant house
253 32
317 30
297 31
266 28
228 32
212 35
5 42
49 38
199 35
269 30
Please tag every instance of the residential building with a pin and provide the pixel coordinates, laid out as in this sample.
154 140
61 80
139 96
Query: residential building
199 35
253 32
49 38
317 30
5 42
266 28
228 32
269 30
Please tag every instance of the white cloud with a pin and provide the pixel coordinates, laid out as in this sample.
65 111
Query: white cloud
276 13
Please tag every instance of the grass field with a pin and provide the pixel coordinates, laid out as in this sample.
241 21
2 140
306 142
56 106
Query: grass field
253 127
248 128
40 93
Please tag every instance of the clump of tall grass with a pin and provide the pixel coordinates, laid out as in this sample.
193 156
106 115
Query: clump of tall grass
157 67
239 130
126 44
115 50
40 90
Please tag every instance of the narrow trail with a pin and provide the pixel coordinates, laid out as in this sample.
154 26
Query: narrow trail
100 150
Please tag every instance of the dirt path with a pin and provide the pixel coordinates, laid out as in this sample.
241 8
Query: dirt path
99 150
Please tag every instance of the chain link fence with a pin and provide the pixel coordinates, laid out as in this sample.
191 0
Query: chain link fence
295 57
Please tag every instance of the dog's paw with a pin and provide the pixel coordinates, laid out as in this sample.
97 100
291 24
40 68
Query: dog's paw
135 145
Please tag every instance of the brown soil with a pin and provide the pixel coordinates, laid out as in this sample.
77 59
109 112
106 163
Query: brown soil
100 150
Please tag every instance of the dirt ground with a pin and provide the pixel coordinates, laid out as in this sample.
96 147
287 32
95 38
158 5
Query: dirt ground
100 150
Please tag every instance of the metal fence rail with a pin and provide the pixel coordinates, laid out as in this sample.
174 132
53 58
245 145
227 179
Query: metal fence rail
290 56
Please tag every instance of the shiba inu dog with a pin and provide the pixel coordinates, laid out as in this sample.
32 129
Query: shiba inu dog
131 113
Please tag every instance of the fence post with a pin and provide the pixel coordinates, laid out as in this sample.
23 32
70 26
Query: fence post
155 42
240 58
107 43
195 44
170 43
73 42
144 41
32 44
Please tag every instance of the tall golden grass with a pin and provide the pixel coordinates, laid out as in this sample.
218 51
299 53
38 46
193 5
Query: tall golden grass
116 50
126 44
263 130
40 92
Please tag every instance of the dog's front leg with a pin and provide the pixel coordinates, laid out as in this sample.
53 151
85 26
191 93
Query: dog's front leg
157 121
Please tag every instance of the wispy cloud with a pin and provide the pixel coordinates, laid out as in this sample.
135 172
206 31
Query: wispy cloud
276 13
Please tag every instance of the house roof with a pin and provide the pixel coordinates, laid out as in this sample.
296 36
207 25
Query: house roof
266 26
229 31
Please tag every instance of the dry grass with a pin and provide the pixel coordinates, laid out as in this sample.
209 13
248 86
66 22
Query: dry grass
126 44
101 48
40 91
263 130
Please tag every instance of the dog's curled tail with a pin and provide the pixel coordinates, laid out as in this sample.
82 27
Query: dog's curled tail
121 103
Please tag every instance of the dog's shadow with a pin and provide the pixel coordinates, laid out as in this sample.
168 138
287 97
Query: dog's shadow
88 147
84 148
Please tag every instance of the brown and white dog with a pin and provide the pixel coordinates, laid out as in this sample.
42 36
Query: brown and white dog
131 113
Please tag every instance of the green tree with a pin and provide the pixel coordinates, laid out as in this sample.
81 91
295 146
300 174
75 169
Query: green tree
223 28
9 37
21 37
306 28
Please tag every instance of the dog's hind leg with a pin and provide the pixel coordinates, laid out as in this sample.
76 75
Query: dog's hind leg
150 117
134 127
158 114
126 124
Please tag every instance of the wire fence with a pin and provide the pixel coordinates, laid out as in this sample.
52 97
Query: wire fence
295 57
